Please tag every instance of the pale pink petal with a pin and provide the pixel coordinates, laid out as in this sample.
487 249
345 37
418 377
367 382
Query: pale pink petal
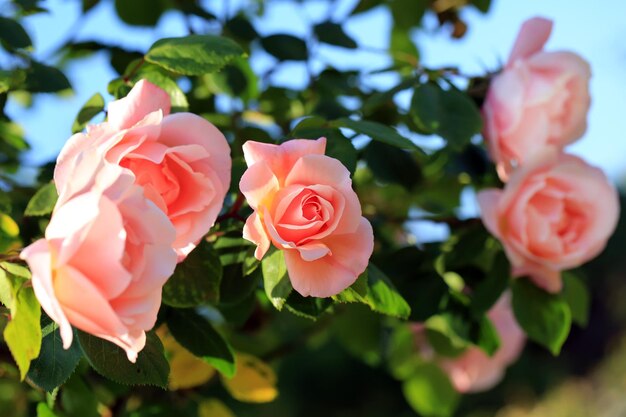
258 184
281 158
532 36
39 259
331 274
254 232
313 251
143 99
488 201
65 161
84 305
183 129
318 169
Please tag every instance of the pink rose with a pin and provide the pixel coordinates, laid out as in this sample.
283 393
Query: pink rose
304 204
539 99
474 371
181 160
106 254
555 213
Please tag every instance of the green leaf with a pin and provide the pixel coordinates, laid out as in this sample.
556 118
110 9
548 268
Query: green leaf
488 337
379 98
408 13
54 365
450 114
342 149
194 54
42 203
23 332
9 233
139 12
333 34
237 80
11 80
482 5
13 34
488 291
45 79
241 28
374 289
91 108
199 337
89 4
196 280
44 411
308 307
78 399
448 334
110 360
285 47
576 295
363 340
236 287
403 50
546 318
275 278
430 392
392 165
365 5
376 131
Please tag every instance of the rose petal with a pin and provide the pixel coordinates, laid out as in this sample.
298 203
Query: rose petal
143 99
258 184
532 36
254 232
39 259
331 274
281 158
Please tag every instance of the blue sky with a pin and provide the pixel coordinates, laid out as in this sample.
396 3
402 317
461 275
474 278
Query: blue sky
596 33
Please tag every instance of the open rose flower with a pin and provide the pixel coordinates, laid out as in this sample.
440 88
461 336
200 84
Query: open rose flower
106 254
304 204
474 370
181 160
555 213
540 98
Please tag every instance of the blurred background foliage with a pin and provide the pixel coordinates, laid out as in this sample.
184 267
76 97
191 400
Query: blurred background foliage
288 364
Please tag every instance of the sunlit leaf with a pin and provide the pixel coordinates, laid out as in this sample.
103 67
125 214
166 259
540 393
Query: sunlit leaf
193 54
254 381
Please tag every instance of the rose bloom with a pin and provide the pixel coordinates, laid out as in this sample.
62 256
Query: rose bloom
555 213
474 370
304 204
181 160
106 254
540 98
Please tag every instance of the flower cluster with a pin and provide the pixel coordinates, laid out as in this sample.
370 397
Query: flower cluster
138 192
555 211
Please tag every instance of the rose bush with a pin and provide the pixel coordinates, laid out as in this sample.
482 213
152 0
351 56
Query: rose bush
555 213
181 160
539 99
304 204
106 254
